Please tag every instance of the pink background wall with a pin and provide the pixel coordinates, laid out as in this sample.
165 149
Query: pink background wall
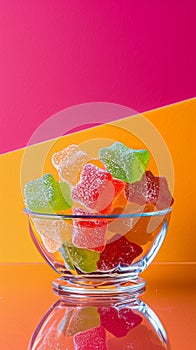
54 54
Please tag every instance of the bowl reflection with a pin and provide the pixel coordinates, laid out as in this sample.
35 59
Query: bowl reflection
97 324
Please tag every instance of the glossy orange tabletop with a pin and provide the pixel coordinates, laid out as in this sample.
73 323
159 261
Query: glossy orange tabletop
26 294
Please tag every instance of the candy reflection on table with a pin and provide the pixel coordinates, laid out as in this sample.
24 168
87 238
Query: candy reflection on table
91 324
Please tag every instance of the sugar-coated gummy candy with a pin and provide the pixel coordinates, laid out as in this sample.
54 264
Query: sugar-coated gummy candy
118 190
139 338
65 252
44 195
96 188
120 224
120 201
118 252
88 233
84 259
52 232
68 163
91 339
118 322
49 244
150 189
83 318
123 162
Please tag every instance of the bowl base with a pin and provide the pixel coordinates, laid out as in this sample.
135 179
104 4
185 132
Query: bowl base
64 286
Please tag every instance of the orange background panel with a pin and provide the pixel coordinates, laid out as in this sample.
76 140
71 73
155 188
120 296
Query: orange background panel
176 125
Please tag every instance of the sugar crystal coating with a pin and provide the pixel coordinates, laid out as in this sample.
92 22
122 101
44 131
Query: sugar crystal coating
123 162
95 189
52 232
44 195
118 322
91 339
118 252
150 189
89 233
68 163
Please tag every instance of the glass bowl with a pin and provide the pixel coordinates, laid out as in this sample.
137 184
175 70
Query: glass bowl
99 254
100 324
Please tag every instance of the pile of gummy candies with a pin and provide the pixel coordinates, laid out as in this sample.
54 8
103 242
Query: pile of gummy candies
103 327
96 187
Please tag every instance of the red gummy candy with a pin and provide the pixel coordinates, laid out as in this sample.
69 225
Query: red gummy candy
118 251
139 338
150 189
89 234
118 188
94 338
118 322
96 188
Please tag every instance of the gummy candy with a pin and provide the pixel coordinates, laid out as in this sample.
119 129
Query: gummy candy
118 191
84 259
118 251
94 338
53 232
68 163
64 250
120 201
96 188
150 189
83 319
49 244
122 225
139 338
118 322
89 233
139 232
44 195
123 162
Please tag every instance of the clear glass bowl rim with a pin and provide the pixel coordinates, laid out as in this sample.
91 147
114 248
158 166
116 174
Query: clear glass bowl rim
101 216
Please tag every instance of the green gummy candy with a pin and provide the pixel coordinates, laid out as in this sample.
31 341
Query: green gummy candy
86 260
66 256
44 195
123 162
83 319
66 192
